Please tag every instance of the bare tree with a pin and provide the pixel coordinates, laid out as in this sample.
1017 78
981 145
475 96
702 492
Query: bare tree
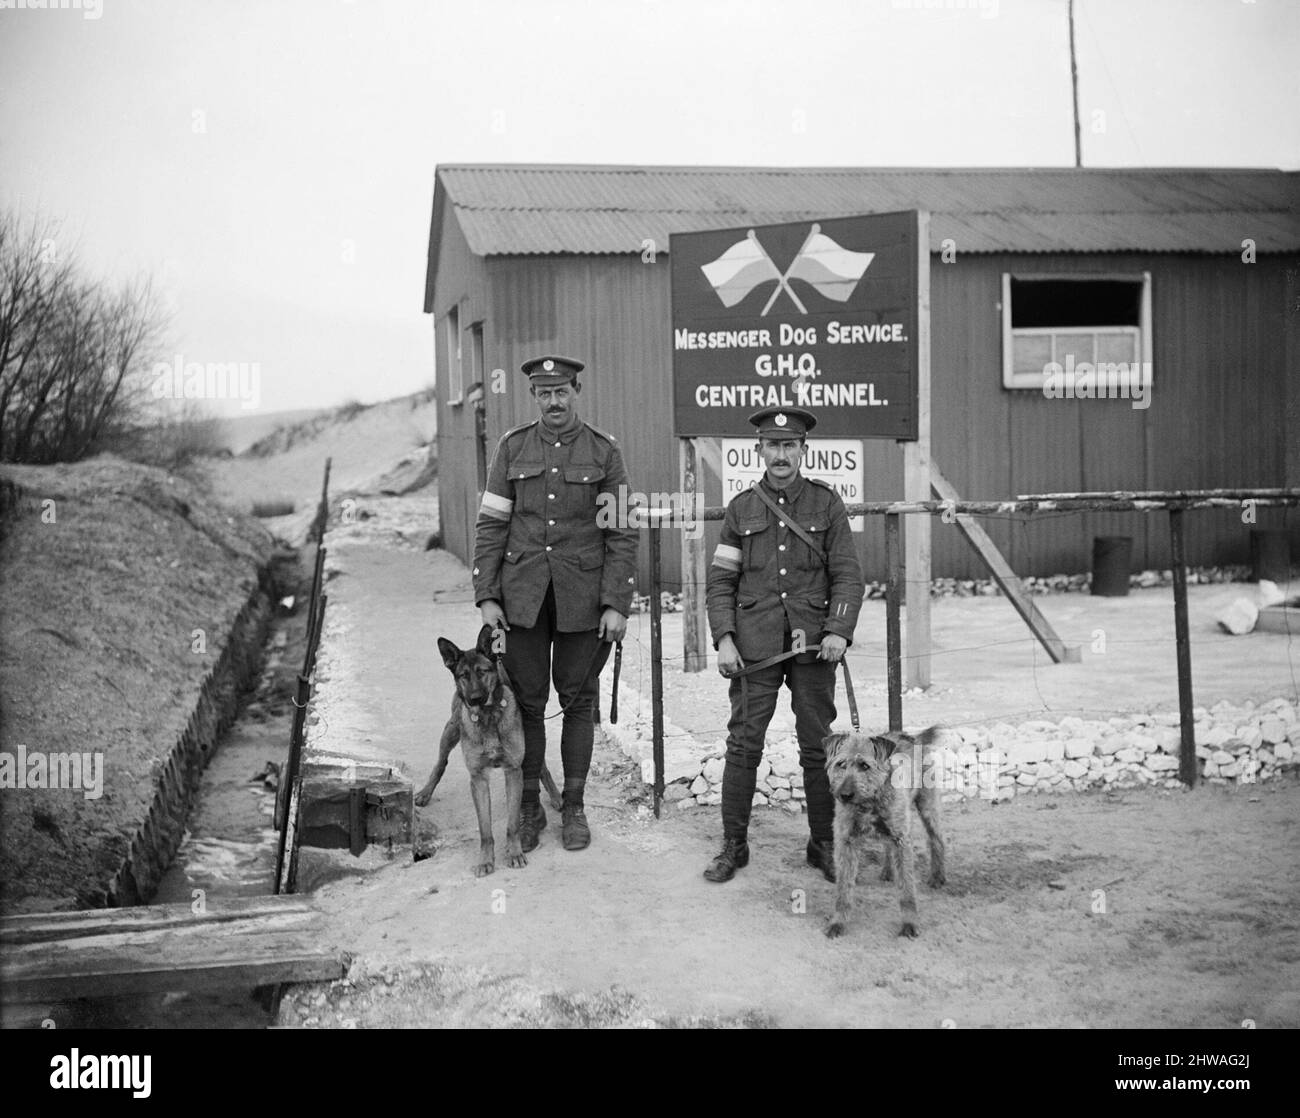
32 283
70 349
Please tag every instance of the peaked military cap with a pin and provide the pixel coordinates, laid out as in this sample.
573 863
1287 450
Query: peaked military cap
551 369
783 423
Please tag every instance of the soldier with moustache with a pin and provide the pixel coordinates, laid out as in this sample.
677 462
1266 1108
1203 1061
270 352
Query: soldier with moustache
555 565
770 591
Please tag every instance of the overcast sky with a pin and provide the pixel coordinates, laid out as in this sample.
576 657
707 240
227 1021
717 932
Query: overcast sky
272 163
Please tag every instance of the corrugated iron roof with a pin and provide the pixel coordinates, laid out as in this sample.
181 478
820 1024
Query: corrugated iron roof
541 209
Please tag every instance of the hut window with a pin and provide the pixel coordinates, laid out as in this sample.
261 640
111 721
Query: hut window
1054 324
451 347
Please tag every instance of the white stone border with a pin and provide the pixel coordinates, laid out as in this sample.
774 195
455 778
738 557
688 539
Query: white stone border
1235 745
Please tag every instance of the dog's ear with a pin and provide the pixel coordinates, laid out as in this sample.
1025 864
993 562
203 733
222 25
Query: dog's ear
450 653
486 639
833 743
883 747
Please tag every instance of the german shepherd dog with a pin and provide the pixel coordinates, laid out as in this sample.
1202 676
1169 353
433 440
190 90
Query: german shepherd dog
485 721
876 782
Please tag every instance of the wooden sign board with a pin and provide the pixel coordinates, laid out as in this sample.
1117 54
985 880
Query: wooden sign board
819 315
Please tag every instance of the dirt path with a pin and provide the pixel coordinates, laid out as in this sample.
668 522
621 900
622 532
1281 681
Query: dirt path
1196 924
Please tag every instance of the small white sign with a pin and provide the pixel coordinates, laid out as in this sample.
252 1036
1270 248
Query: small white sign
838 462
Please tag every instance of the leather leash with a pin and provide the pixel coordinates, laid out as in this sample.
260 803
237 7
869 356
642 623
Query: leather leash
618 666
781 656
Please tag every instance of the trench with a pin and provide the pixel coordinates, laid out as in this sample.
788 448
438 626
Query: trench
227 841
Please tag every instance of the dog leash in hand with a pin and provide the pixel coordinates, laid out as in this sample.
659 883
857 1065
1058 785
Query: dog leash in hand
613 696
618 665
777 659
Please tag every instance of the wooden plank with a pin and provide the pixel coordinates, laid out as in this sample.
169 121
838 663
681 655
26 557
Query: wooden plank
192 958
1005 577
916 479
40 927
695 626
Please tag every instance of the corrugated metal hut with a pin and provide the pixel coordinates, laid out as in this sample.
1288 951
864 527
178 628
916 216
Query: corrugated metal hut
1197 271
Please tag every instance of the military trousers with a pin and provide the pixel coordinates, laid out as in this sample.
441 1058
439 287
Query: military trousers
812 699
535 657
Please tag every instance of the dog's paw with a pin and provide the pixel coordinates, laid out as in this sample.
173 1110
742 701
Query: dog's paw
887 872
835 928
909 930
422 798
516 861
482 869
937 880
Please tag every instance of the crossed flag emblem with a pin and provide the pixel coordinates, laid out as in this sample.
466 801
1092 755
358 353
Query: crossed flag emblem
830 268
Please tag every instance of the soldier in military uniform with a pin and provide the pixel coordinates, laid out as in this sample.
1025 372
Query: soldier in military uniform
771 591
555 565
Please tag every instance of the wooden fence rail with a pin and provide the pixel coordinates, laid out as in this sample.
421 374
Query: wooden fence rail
1175 502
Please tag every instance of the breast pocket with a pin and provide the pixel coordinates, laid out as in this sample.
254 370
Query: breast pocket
580 487
529 486
757 541
816 525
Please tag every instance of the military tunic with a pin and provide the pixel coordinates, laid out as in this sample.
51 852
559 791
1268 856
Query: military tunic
765 581
554 514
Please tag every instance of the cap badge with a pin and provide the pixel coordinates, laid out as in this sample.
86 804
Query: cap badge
780 419
548 364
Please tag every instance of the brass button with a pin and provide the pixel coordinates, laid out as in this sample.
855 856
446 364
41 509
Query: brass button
548 547
782 570
550 496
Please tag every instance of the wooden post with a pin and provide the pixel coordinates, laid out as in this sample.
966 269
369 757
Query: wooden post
289 774
656 660
695 624
893 638
1187 756
916 479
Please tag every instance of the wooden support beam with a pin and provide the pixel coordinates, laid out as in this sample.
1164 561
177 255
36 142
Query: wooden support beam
916 479
695 624
1004 576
